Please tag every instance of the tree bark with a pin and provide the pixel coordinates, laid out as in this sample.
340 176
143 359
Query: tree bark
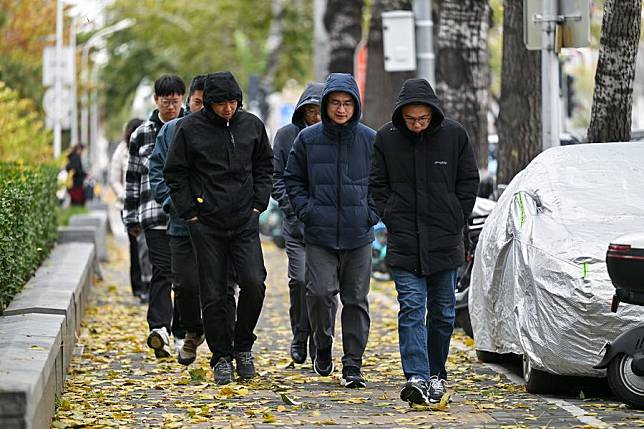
462 70
343 22
610 118
382 87
519 124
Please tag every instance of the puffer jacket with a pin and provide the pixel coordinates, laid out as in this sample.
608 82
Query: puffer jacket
327 176
424 185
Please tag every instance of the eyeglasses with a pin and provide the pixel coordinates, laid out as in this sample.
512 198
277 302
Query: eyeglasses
423 120
167 102
337 103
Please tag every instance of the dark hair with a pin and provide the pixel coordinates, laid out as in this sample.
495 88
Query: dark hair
131 125
198 83
169 84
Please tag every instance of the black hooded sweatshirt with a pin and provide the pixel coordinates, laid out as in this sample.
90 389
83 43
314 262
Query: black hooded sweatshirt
424 185
282 144
219 170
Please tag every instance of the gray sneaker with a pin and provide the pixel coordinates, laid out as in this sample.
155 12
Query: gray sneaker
187 353
245 364
437 388
159 340
415 391
223 371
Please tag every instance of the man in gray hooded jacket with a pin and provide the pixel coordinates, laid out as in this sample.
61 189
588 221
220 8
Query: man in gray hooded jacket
307 112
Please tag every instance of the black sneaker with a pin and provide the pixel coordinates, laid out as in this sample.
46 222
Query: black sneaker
352 377
323 363
415 391
298 352
223 370
245 364
437 388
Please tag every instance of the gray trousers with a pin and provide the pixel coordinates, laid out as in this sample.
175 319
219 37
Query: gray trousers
346 272
297 311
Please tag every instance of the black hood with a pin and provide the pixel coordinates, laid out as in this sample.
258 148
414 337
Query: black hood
221 86
312 95
417 91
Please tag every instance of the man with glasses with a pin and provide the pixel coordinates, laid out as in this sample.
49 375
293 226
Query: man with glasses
423 180
326 179
142 214
307 113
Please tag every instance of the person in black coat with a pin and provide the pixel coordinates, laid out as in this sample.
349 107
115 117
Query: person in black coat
219 171
423 181
307 113
327 183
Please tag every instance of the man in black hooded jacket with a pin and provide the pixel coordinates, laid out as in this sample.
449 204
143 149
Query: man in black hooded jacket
219 169
307 113
423 180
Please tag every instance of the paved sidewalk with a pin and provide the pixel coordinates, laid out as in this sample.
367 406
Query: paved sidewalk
115 380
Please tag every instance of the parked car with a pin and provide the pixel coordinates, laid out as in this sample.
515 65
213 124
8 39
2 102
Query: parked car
540 286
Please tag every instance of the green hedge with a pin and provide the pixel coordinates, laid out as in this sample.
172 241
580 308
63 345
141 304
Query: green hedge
27 223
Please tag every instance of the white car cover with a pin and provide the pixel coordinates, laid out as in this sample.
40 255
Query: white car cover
540 286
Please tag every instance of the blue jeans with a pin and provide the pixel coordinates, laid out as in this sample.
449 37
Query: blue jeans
424 341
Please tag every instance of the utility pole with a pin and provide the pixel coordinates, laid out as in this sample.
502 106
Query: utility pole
550 106
74 121
58 80
424 40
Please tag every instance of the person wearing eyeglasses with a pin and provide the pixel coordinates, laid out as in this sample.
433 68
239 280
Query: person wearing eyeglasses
306 113
142 214
326 179
423 180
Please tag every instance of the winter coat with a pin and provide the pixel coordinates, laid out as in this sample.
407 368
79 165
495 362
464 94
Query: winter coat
424 185
327 176
282 144
219 170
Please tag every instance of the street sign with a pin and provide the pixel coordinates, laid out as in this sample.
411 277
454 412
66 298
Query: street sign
399 40
51 69
573 23
49 105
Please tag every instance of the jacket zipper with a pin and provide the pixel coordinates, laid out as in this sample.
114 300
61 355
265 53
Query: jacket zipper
230 133
339 189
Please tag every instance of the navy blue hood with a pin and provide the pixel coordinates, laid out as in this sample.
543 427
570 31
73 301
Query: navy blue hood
343 82
312 95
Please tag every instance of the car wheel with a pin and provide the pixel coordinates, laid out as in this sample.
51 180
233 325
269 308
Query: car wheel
625 384
463 320
537 381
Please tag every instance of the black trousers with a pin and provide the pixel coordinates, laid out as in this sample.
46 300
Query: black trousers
213 247
135 268
298 311
161 312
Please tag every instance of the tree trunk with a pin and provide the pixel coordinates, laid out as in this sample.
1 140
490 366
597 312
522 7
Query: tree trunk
610 118
520 103
382 87
462 70
343 22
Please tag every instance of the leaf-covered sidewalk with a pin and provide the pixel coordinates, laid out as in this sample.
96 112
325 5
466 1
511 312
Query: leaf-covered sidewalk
114 379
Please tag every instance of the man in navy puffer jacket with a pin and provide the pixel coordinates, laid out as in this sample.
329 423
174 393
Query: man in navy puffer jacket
326 178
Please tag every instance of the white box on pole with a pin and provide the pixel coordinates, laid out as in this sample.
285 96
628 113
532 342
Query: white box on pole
50 69
399 40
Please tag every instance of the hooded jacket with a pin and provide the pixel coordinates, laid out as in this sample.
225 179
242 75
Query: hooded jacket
424 185
282 144
327 176
219 170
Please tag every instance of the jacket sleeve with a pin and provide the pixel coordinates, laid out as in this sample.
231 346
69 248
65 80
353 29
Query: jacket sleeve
280 156
133 181
379 189
160 190
467 179
262 171
296 177
177 175
116 175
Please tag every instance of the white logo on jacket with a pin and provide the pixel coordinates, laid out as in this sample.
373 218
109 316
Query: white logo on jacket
440 162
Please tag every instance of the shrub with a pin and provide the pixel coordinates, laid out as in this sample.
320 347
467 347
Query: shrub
23 136
27 223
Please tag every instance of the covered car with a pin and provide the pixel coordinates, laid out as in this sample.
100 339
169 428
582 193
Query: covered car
540 286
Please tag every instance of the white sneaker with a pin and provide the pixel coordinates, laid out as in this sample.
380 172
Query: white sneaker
159 340
178 343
